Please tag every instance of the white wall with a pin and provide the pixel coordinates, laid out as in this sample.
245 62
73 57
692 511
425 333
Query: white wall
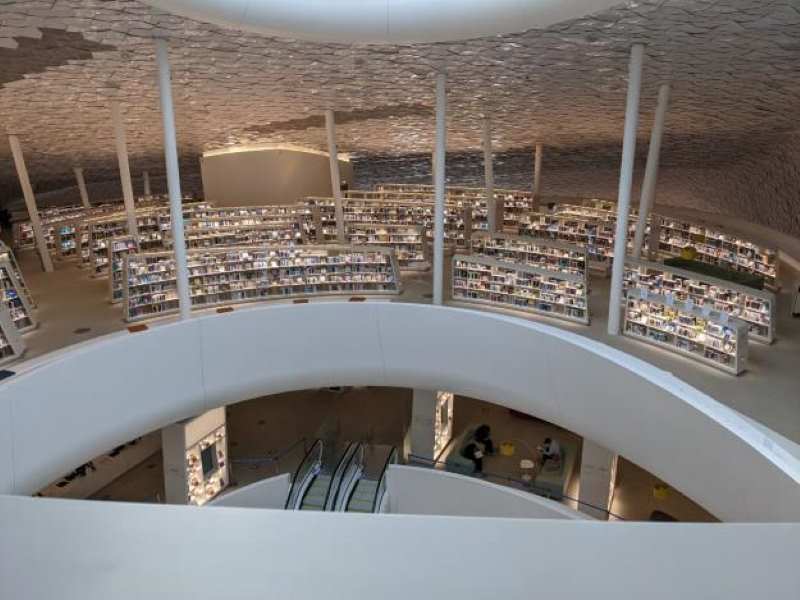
98 550
268 176
267 493
421 491
702 448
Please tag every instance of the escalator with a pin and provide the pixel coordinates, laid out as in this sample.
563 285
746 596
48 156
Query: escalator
365 492
318 478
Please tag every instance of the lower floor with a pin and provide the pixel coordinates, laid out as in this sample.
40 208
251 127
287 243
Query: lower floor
268 436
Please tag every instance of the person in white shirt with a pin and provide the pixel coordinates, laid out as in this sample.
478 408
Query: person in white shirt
551 450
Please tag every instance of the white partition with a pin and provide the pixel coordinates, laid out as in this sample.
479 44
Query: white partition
423 491
267 493
706 450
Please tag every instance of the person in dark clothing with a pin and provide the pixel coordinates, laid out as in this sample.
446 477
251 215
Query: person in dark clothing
473 452
483 435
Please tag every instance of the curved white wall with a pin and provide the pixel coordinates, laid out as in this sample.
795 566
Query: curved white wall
422 491
267 493
74 405
383 21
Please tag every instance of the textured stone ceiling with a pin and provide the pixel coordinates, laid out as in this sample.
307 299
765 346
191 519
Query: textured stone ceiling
734 66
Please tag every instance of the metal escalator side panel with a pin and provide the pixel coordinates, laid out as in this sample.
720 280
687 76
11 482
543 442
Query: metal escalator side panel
339 472
304 475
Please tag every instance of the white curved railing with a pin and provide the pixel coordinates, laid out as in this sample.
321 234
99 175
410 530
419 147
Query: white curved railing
383 21
73 405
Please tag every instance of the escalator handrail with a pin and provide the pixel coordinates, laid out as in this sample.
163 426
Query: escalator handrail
314 451
391 459
341 466
356 461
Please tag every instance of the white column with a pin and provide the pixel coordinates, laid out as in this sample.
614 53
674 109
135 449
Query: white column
124 167
537 174
431 423
651 170
30 203
173 177
146 182
195 458
336 183
82 187
597 481
625 184
495 219
438 213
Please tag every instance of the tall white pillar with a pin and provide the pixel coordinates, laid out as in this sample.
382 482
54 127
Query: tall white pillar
82 187
336 183
431 423
495 212
438 213
537 174
651 170
124 167
30 203
598 480
173 177
625 184
146 182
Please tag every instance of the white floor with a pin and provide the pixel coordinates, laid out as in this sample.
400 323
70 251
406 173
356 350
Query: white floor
768 392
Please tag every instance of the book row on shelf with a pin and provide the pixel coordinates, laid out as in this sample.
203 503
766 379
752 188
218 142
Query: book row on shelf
250 274
702 333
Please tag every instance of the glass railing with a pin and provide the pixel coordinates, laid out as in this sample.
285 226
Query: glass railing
381 489
505 480
352 473
338 472
305 472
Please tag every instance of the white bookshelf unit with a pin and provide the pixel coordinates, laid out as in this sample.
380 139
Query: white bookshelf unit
545 254
213 233
20 312
118 248
229 276
11 345
501 284
408 242
718 248
754 307
16 278
705 335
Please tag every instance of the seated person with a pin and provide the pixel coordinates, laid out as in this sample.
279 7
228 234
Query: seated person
550 450
483 436
474 452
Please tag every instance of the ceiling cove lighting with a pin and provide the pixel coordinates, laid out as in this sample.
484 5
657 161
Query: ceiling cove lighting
383 21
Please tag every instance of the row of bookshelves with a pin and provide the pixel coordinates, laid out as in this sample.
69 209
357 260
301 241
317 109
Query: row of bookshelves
236 275
702 333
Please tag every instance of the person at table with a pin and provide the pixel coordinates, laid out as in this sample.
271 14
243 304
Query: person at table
550 450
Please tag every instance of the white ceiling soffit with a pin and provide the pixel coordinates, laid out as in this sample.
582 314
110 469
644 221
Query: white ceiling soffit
383 21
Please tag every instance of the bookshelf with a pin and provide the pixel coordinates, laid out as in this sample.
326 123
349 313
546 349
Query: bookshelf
718 248
15 273
704 334
408 242
536 252
227 276
755 307
20 312
246 231
501 284
118 248
11 345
